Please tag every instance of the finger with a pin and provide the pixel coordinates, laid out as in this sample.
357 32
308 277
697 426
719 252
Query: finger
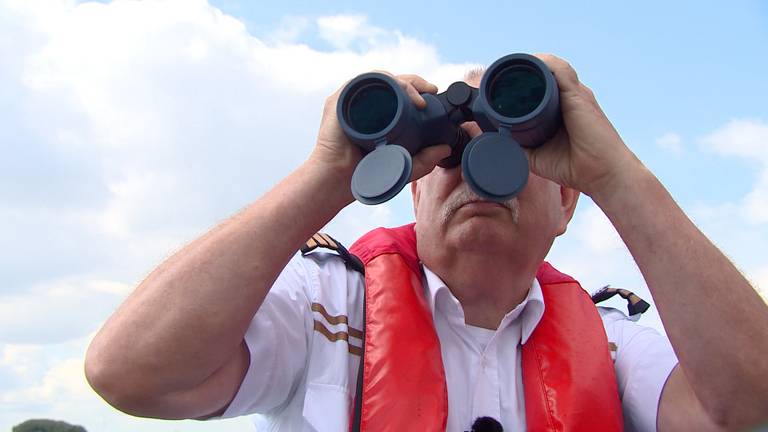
426 160
414 86
422 85
540 159
413 93
566 76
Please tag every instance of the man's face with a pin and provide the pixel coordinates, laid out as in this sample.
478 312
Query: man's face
449 213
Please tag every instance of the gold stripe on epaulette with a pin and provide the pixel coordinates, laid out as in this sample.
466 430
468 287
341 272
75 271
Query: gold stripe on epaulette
329 241
324 241
311 243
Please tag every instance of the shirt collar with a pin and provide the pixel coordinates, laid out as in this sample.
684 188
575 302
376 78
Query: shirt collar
529 311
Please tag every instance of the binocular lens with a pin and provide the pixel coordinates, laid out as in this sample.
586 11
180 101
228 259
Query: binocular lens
371 108
516 91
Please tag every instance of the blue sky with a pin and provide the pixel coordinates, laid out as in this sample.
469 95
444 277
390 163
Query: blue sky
655 66
128 128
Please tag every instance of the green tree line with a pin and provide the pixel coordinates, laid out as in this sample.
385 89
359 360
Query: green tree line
44 425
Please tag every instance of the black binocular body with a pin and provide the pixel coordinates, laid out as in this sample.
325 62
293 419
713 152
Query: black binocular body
517 105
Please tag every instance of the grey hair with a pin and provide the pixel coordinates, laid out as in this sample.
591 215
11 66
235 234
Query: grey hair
474 74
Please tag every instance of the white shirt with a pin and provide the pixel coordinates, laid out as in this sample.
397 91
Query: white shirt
304 342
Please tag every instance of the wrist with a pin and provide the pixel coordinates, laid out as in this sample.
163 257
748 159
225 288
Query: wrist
331 181
621 184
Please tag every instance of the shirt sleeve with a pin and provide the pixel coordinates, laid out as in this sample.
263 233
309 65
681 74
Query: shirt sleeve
278 342
643 360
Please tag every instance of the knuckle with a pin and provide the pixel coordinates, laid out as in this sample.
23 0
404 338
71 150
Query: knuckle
559 65
569 69
588 94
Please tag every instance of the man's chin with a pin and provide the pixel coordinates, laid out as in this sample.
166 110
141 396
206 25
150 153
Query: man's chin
481 228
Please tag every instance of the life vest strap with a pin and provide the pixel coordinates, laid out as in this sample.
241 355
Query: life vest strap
324 241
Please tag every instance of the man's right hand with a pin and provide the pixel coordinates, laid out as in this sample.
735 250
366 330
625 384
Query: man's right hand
174 348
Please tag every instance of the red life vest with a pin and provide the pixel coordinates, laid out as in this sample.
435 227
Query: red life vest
568 375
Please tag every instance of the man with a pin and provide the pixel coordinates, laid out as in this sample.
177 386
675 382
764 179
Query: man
189 343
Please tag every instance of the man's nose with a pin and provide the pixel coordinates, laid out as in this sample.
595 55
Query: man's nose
467 132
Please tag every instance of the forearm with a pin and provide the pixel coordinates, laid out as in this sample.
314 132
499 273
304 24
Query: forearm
190 315
716 322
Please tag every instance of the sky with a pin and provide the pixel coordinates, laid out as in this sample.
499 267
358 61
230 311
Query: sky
128 128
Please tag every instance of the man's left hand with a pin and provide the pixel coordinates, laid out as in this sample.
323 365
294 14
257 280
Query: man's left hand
587 153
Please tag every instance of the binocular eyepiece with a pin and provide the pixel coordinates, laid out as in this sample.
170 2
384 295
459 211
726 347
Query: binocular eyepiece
517 104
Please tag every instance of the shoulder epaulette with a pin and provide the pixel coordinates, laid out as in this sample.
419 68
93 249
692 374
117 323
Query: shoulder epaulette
635 305
322 240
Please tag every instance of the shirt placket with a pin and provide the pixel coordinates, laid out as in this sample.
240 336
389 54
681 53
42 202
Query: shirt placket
486 400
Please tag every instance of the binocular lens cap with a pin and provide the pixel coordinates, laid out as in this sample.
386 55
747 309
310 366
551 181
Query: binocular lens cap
381 174
495 166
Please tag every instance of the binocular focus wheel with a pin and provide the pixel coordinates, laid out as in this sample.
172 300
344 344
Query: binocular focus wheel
381 174
495 167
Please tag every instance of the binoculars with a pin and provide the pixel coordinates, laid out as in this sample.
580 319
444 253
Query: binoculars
517 105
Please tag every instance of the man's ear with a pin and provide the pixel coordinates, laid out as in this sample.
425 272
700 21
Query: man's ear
568 200
415 196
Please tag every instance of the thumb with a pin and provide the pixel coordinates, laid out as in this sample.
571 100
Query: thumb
426 160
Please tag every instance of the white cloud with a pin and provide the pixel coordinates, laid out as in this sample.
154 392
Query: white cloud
756 202
52 384
596 232
134 126
342 30
59 310
20 358
759 279
130 128
746 138
142 124
670 142
65 380
289 30
740 137
38 376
